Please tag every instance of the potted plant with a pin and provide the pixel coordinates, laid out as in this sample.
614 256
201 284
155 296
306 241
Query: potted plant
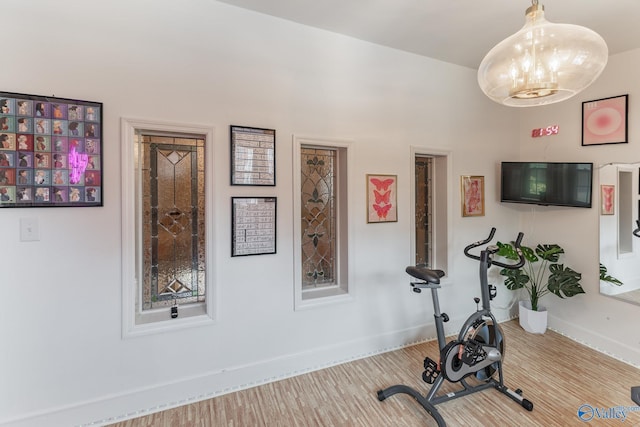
541 274
605 277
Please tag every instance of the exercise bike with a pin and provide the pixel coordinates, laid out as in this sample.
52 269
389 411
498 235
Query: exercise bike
479 348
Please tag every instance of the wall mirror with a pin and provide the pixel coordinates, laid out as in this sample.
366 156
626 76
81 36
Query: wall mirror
619 211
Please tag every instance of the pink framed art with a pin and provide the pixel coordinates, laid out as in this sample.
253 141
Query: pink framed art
382 198
472 195
607 199
604 121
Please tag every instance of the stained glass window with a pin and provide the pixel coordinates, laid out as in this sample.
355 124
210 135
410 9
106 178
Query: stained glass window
424 210
318 182
173 223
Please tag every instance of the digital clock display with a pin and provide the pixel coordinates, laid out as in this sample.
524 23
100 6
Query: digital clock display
549 130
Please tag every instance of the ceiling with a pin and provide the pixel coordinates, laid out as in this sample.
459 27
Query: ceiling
456 31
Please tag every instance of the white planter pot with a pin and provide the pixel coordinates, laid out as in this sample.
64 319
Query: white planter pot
532 321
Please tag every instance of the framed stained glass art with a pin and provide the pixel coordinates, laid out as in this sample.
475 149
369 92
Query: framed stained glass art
50 151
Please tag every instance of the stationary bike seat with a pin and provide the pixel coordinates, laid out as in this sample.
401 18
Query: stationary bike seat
424 273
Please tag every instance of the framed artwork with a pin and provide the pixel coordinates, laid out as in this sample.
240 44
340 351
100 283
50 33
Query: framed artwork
382 193
50 151
604 121
607 199
253 156
472 188
253 230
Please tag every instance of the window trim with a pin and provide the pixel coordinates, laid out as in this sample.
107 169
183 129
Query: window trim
441 258
134 322
345 290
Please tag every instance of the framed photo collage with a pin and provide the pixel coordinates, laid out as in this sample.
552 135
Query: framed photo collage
50 151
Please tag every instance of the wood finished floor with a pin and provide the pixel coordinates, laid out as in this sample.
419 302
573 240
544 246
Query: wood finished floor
557 374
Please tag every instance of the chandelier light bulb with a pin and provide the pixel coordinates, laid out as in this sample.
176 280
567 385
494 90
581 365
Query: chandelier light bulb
543 63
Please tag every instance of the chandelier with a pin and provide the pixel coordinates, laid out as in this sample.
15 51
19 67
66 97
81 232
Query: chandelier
543 63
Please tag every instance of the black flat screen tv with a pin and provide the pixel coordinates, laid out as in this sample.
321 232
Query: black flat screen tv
547 183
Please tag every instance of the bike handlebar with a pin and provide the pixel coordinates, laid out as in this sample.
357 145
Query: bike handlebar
518 241
479 243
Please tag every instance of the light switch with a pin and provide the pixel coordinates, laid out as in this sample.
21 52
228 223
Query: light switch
29 230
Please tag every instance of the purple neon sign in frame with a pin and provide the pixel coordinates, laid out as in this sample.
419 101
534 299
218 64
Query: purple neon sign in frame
50 151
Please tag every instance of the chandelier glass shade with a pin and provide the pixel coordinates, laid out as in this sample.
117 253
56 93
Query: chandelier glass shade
543 63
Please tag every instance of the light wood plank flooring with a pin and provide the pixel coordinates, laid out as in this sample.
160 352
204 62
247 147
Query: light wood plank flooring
557 374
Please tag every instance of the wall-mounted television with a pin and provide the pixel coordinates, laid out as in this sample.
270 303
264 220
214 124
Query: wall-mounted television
547 183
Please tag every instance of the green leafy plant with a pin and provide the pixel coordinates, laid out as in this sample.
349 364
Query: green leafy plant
607 278
541 273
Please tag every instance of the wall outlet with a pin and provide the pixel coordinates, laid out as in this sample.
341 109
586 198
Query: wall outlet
29 230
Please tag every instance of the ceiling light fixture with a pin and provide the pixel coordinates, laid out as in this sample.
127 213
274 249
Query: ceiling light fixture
542 63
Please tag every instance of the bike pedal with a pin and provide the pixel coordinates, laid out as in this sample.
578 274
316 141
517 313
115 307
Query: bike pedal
472 353
431 371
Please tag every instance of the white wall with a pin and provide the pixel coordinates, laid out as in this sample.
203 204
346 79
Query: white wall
62 360
600 321
623 265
